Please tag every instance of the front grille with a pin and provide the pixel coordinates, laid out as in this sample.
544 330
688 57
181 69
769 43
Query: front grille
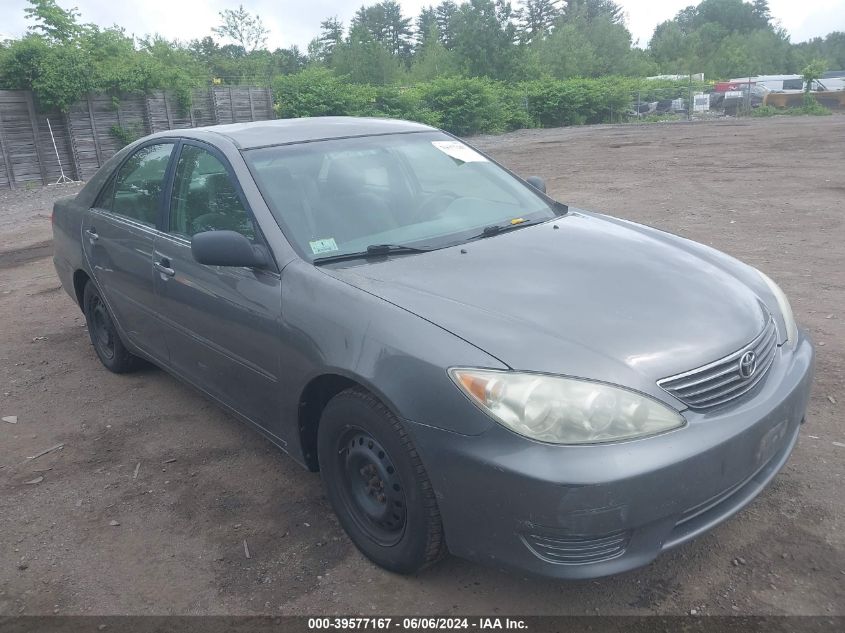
722 381
577 550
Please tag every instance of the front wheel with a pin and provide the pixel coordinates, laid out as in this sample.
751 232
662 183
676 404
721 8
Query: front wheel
104 336
377 484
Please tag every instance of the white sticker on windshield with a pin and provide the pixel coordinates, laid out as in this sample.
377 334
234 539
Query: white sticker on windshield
459 151
318 247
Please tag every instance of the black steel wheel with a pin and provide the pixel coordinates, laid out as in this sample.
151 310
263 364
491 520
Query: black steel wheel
101 328
104 335
377 484
372 490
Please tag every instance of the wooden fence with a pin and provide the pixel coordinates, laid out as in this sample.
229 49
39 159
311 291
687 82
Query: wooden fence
96 127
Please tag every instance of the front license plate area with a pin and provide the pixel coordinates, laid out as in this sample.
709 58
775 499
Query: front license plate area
771 443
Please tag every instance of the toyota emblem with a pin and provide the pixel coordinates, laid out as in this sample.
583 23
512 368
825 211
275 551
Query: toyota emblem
748 365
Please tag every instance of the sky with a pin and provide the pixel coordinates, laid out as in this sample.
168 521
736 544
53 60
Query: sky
297 21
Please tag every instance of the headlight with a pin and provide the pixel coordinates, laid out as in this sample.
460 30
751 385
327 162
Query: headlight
564 410
785 309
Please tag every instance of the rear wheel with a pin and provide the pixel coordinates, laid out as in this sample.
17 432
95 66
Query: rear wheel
377 484
104 336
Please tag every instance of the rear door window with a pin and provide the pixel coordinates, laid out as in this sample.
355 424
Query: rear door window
135 191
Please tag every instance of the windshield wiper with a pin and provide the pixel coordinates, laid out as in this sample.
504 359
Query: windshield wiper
496 229
373 250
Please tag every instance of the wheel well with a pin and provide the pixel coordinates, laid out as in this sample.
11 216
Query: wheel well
80 278
313 400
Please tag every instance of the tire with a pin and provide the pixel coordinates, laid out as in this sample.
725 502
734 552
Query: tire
104 336
377 484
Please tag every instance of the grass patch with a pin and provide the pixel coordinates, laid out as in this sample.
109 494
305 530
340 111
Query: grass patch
810 107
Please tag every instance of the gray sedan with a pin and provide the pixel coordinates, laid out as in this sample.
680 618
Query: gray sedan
469 364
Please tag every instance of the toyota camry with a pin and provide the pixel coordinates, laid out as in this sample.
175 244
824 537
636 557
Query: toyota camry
471 366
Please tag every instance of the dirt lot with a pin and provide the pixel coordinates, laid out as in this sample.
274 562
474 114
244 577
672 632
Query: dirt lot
770 192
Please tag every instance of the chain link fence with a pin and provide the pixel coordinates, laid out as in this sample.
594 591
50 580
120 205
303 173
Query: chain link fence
697 102
693 103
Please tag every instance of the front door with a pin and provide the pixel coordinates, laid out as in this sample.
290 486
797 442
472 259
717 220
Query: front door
118 235
222 323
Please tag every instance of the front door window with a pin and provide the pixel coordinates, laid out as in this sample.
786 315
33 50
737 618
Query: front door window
205 198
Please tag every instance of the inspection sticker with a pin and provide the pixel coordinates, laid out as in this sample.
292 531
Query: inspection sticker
319 247
459 151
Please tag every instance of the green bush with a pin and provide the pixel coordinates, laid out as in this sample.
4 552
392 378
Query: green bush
553 103
319 92
405 103
461 106
515 108
766 111
577 101
813 107
465 106
60 73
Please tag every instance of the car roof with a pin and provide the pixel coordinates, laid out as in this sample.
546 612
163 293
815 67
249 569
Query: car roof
285 131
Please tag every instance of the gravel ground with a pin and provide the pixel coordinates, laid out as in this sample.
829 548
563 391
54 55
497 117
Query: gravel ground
146 507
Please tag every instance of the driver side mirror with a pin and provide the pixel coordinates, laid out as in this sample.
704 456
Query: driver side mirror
227 248
538 183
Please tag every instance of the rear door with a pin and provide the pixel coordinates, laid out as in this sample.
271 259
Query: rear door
222 323
118 239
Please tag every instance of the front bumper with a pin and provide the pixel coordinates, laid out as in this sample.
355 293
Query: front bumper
589 511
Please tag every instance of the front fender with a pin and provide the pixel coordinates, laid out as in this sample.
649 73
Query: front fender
330 327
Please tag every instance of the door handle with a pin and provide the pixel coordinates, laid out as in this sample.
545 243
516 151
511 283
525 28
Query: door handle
92 234
164 268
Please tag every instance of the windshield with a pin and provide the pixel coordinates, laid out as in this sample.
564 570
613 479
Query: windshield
422 190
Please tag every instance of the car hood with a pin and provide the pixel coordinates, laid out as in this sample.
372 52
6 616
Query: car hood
584 295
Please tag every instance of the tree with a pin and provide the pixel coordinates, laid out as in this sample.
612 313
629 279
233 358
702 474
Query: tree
483 39
487 50
425 26
432 59
538 18
723 38
584 47
20 62
812 72
331 34
760 10
567 52
245 29
363 59
52 21
63 77
386 25
831 48
592 9
733 15
229 63
288 61
331 30
397 29
670 46
445 17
